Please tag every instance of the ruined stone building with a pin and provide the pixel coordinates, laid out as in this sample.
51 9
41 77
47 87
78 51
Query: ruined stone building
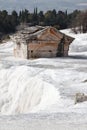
38 42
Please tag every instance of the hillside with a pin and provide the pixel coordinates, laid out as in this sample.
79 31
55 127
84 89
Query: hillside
40 93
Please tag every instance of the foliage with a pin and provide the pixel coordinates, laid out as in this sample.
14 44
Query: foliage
60 19
79 23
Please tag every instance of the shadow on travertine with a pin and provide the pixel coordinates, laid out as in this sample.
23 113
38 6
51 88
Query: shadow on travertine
78 57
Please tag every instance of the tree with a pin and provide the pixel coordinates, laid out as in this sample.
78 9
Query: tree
79 23
50 17
35 17
41 18
14 18
84 22
61 19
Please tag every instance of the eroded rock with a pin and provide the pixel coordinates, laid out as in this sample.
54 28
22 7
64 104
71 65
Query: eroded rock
80 97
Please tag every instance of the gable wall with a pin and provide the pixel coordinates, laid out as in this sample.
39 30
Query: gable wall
46 45
50 32
42 49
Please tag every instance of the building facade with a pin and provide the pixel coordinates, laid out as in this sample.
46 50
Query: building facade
41 42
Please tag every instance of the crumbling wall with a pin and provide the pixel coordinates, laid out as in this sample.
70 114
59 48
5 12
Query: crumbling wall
20 49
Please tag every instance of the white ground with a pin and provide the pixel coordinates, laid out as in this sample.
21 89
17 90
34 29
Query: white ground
39 94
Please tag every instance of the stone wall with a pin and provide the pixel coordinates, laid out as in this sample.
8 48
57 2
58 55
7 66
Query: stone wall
20 50
42 49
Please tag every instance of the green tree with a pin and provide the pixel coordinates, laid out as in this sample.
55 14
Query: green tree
14 18
41 18
61 19
35 18
50 17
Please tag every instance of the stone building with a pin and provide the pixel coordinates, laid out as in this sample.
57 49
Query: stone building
38 42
